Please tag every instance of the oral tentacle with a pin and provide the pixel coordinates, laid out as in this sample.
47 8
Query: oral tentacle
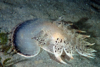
69 54
83 50
60 59
58 54
68 49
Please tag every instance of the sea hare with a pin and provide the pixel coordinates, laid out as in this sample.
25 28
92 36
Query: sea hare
56 37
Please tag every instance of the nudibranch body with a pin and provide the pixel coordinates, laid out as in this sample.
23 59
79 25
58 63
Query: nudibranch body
56 37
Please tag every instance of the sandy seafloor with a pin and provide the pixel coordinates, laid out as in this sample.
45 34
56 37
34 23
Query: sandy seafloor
13 12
